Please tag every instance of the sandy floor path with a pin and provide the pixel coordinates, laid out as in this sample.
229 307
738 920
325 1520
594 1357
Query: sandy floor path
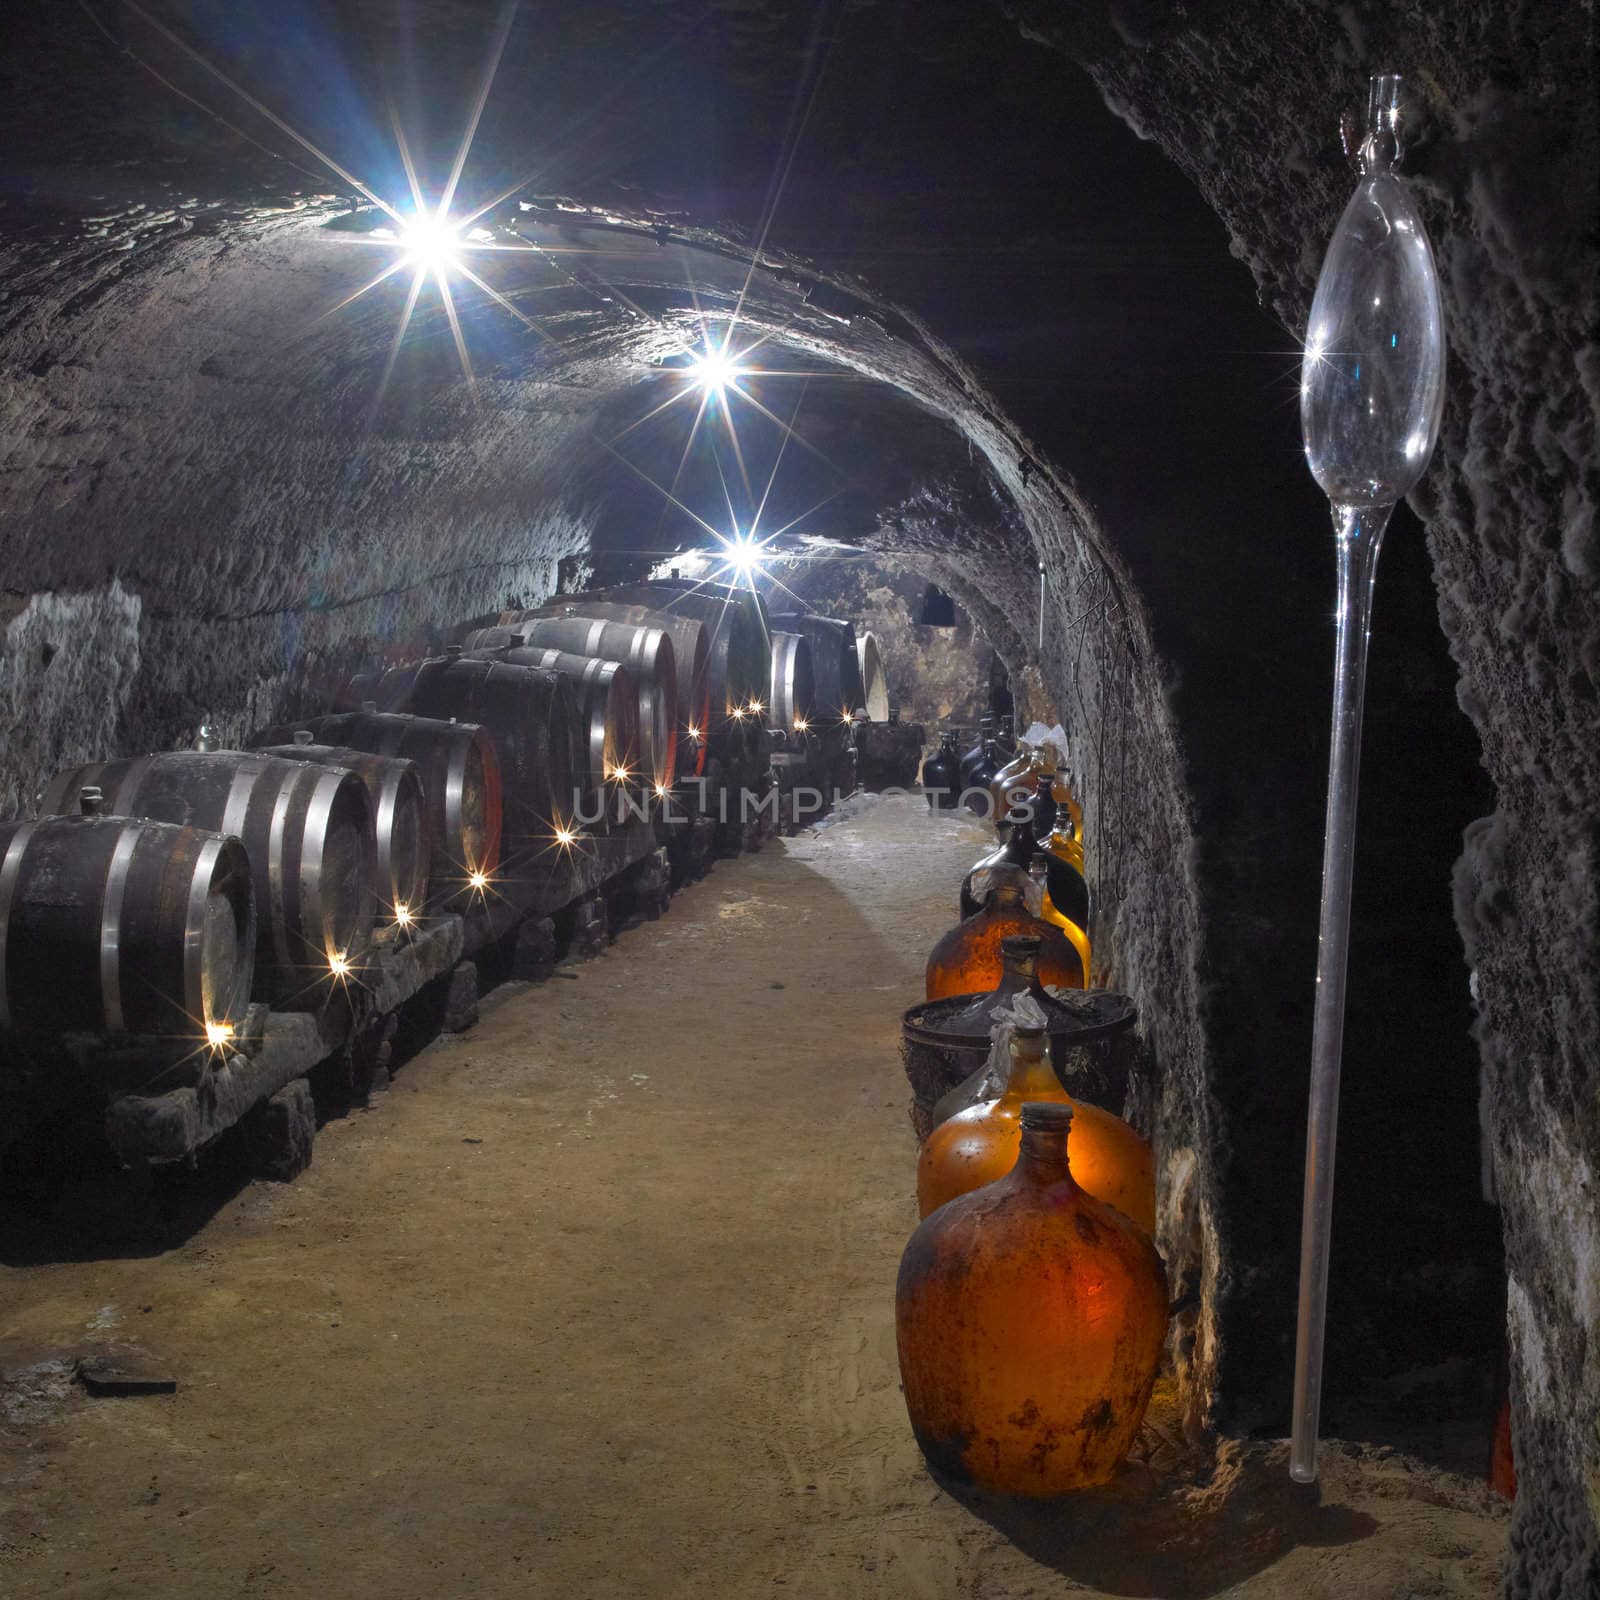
597 1302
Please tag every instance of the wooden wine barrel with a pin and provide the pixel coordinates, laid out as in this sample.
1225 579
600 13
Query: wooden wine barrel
739 664
874 681
792 699
533 719
691 654
834 660
306 829
115 925
646 651
460 773
608 701
399 818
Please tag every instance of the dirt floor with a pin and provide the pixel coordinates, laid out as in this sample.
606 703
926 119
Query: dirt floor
597 1301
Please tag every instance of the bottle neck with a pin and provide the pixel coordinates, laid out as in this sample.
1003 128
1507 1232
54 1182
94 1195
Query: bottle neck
1031 1076
1380 148
1018 848
1042 1158
1020 971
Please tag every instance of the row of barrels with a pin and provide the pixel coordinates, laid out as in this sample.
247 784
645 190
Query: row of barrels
158 895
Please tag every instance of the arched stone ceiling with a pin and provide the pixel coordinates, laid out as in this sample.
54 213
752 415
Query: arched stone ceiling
232 483
198 518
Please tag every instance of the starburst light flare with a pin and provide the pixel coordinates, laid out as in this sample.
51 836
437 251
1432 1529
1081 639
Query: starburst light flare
431 242
715 370
743 557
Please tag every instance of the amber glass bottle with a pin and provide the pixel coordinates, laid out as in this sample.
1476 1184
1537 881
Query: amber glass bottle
967 959
1030 1319
979 1145
1013 787
1042 806
1066 900
1010 860
1066 798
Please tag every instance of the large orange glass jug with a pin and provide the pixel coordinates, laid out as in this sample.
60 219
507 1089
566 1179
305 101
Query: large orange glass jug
979 1145
1030 1319
967 959
1067 898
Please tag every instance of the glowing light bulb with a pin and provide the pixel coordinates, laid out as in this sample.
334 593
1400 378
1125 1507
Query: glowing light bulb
431 243
714 370
738 713
402 915
744 557
694 732
801 724
661 791
479 880
619 774
565 837
218 1034
338 965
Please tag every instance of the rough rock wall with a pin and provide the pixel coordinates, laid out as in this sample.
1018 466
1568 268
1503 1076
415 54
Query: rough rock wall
1503 153
937 676
203 521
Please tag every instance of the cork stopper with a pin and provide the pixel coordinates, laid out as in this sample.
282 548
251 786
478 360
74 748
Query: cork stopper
369 706
1027 1041
304 736
91 800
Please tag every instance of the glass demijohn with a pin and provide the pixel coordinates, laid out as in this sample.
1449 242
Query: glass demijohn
1371 396
1030 1319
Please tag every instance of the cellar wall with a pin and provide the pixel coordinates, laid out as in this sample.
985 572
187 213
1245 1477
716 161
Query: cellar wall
1502 152
205 516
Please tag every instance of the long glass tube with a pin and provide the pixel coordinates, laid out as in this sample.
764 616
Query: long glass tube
1359 531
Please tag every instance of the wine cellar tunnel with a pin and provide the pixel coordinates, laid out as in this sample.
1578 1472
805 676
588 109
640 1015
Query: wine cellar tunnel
1017 371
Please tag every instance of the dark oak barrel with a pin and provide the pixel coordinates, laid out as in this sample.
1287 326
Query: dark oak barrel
739 665
874 680
306 829
691 654
123 926
646 651
460 773
607 696
399 819
792 699
533 719
833 658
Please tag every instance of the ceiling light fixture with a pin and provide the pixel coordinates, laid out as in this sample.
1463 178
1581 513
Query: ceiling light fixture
744 557
715 370
431 243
